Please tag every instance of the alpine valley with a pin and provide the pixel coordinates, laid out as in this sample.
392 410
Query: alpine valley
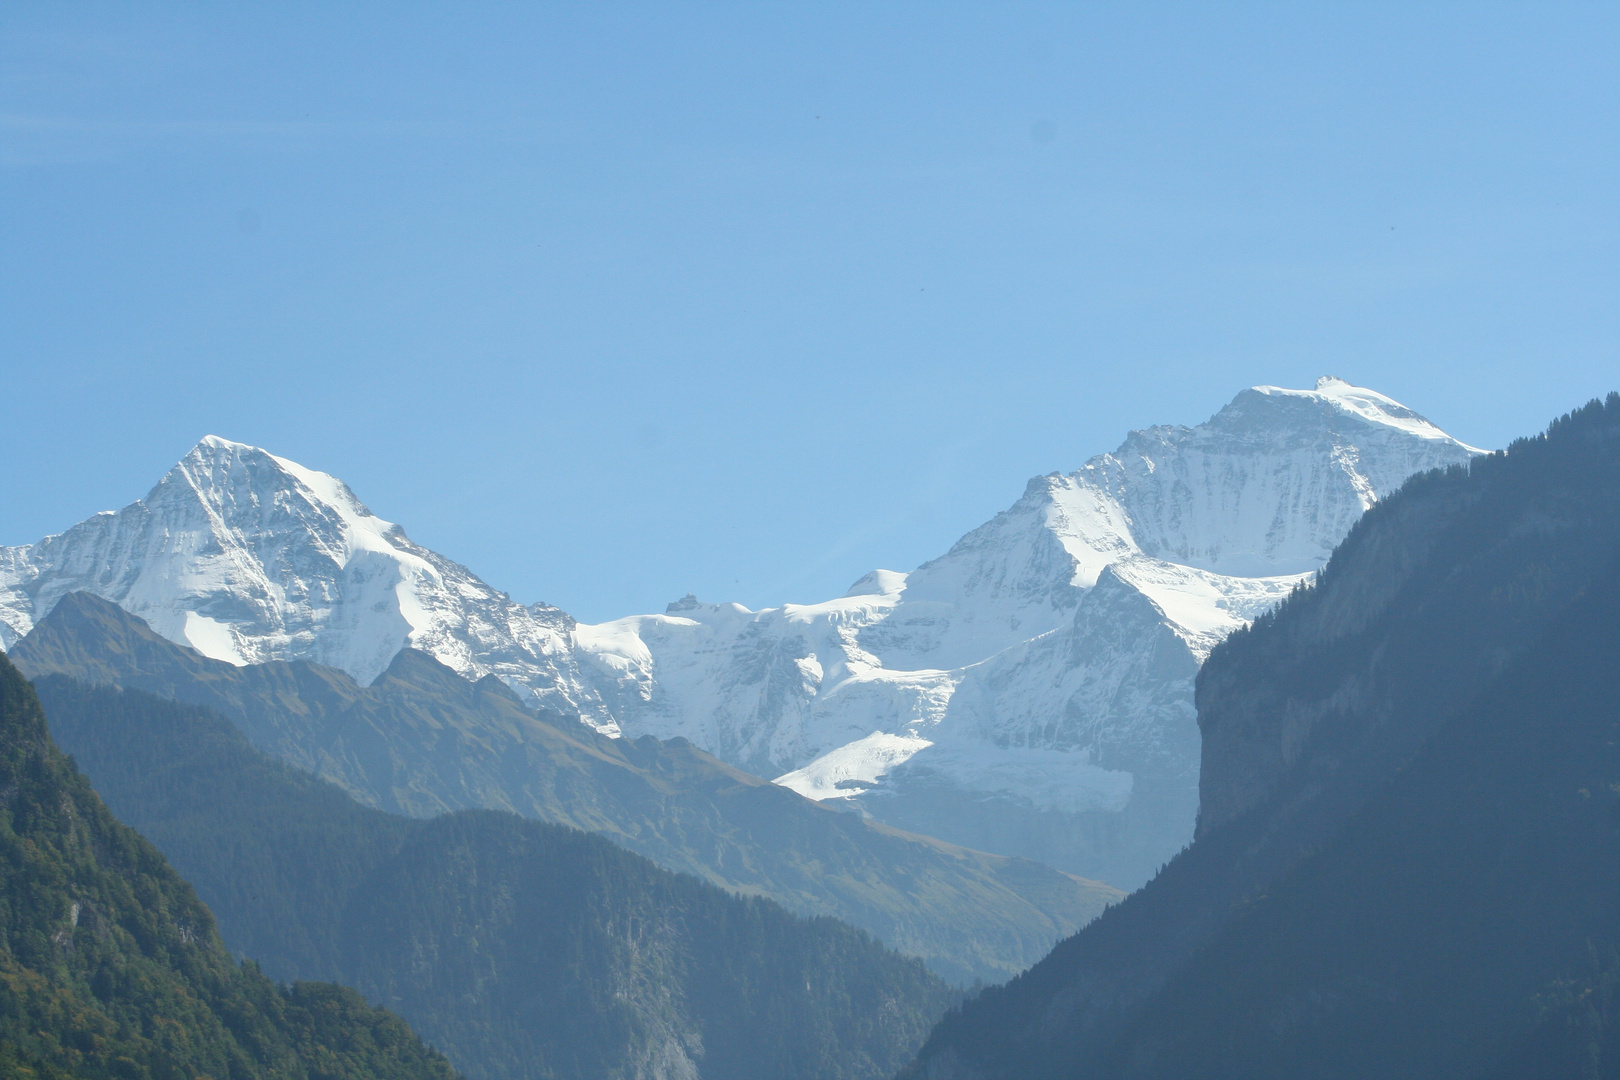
1028 693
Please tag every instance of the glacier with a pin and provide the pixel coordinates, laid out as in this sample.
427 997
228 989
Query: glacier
1029 692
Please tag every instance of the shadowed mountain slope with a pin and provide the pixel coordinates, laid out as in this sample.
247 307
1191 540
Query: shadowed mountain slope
523 949
421 740
111 967
1355 740
1417 943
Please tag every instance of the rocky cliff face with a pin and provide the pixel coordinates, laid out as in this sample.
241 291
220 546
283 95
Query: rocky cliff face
1029 692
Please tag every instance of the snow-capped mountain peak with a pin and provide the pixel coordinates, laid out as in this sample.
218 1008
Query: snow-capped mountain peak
1368 405
878 583
248 557
1064 634
1273 480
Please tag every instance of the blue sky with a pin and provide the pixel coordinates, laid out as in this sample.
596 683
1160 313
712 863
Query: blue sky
612 303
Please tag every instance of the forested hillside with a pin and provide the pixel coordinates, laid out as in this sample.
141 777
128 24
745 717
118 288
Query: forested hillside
523 949
112 968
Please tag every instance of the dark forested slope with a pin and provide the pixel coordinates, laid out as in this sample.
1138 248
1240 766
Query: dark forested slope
421 740
1312 721
523 949
1415 943
111 967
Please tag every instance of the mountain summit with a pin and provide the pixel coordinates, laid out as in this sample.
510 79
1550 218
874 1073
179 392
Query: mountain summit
1029 692
249 557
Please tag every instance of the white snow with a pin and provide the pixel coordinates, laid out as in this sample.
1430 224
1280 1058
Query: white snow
1369 405
211 638
852 768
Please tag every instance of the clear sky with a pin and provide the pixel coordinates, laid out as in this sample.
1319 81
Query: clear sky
612 303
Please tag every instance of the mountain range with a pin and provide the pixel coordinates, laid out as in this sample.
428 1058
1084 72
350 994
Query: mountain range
1398 803
422 741
1027 693
523 950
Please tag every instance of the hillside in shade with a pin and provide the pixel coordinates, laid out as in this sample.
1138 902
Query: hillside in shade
112 968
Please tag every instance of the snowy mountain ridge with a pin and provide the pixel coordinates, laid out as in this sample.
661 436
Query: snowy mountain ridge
249 557
1028 692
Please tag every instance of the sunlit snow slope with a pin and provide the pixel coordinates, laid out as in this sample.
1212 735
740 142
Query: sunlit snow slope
1028 692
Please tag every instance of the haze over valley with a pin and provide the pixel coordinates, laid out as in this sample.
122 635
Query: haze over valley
864 542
